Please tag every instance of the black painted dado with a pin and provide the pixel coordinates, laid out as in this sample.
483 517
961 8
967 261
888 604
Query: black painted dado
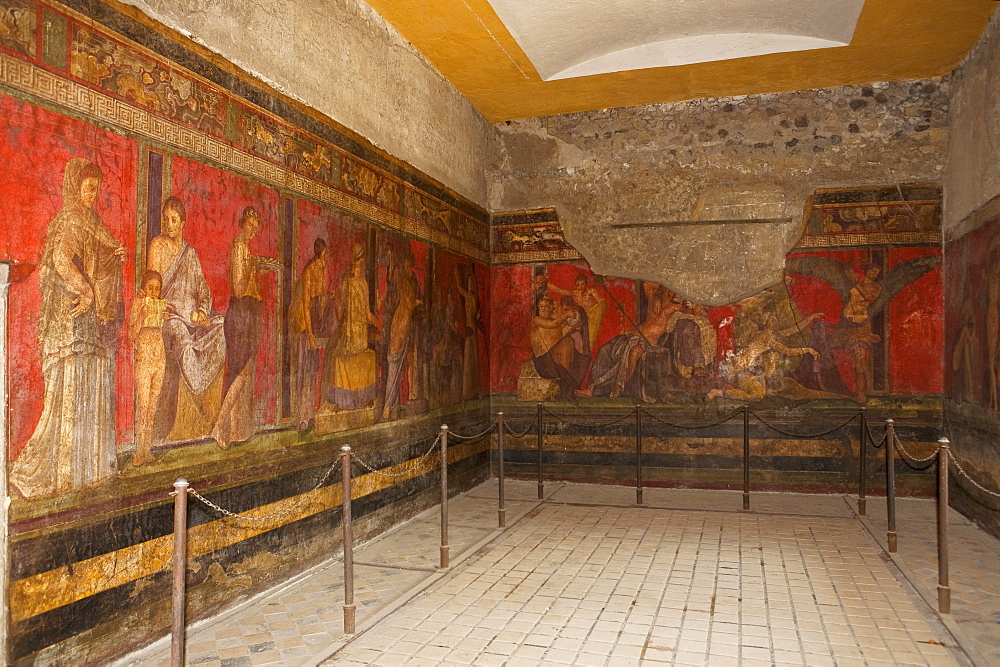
62 548
36 633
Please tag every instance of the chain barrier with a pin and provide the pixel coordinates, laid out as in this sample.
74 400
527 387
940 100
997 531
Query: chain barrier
804 435
472 437
273 515
958 466
871 437
688 426
619 420
405 471
515 434
910 459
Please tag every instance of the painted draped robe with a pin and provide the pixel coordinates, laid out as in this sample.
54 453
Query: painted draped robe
73 445
195 353
349 367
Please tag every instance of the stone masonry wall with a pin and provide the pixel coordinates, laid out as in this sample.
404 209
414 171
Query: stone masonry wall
344 60
746 157
973 175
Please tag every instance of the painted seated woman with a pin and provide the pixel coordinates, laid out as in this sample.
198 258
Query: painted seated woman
80 277
349 385
192 334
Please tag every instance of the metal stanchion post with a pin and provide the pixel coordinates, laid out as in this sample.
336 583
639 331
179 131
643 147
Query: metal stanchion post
862 461
890 483
444 498
746 457
638 454
944 590
541 480
501 512
349 608
177 640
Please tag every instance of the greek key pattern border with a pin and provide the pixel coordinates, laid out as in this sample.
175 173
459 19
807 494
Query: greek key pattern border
876 238
533 257
29 78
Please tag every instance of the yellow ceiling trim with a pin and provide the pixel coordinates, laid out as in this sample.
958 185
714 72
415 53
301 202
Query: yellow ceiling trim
894 40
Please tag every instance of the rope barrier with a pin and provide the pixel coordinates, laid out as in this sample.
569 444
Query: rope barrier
910 459
881 442
515 434
472 437
619 420
958 466
273 515
804 435
405 471
688 426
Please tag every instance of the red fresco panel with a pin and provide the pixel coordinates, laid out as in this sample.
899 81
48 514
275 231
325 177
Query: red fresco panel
214 200
916 323
36 144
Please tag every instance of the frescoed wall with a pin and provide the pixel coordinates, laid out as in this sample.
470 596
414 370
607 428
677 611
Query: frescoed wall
858 320
972 364
212 290
859 316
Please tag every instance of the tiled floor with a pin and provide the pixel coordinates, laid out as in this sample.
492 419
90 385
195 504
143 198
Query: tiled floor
587 578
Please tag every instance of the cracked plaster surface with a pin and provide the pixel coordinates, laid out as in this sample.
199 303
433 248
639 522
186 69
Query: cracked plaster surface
649 164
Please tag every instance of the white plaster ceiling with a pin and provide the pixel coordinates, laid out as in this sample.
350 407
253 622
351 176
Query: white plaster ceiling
574 38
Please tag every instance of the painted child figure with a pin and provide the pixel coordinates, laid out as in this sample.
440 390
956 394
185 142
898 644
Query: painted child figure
145 329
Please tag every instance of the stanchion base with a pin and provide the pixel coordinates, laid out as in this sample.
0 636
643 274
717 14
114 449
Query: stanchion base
445 559
746 501
861 507
944 599
502 518
891 539
350 627
541 492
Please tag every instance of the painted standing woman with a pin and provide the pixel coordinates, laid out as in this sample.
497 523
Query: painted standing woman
237 419
470 356
80 277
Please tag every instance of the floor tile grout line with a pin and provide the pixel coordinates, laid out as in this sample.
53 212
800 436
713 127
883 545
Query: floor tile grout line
962 642
330 650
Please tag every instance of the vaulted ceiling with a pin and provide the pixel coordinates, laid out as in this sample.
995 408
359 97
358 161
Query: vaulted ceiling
524 58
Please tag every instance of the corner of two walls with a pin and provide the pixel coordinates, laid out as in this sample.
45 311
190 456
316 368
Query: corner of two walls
972 281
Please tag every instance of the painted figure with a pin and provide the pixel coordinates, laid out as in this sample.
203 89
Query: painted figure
993 326
621 365
748 370
446 352
242 329
349 366
866 298
470 356
310 322
401 314
559 345
80 277
966 350
145 327
193 335
587 297
861 337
